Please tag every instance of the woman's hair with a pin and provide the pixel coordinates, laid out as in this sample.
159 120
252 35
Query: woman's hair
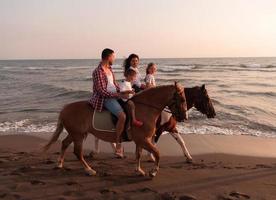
127 61
130 72
149 66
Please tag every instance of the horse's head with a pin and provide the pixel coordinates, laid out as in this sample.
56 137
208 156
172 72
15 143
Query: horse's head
203 103
178 104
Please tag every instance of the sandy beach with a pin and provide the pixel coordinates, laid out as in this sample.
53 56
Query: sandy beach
224 167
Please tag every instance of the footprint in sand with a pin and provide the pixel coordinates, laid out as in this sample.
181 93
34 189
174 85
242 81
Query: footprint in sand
263 166
37 182
108 191
72 183
73 193
187 197
167 196
48 162
238 195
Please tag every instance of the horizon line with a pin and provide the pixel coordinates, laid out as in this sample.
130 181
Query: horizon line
25 59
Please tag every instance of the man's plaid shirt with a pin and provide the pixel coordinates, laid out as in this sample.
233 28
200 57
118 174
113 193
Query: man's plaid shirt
100 92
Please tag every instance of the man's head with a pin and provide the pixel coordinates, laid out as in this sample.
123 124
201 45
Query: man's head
130 75
108 56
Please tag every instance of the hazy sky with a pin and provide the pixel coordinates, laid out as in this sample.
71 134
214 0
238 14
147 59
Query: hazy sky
151 28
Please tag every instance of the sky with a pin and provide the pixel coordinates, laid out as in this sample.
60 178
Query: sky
76 29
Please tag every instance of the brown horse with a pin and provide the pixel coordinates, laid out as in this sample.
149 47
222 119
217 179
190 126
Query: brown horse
196 97
76 118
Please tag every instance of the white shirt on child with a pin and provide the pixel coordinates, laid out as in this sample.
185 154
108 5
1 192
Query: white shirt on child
150 79
137 81
126 86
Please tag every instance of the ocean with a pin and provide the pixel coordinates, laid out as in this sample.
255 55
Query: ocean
243 91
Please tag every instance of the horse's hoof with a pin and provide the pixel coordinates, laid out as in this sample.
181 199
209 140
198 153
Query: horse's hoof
60 166
153 173
90 172
119 155
140 172
189 160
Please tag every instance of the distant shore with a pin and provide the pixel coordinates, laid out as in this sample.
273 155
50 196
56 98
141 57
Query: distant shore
27 174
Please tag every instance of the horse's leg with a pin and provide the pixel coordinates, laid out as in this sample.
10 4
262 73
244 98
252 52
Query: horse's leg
138 158
113 146
152 149
151 157
78 142
180 141
65 143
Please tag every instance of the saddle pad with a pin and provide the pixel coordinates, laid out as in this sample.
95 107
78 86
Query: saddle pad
102 121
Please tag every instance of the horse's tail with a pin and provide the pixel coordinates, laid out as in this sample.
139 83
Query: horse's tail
55 136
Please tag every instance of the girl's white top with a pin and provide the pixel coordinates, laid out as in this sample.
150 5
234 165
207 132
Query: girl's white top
150 79
110 84
137 81
125 86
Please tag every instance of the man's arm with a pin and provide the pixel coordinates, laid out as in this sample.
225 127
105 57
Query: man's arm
100 87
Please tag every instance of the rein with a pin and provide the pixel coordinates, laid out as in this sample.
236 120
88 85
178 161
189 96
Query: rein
148 105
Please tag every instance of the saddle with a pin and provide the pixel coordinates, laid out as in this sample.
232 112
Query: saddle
105 121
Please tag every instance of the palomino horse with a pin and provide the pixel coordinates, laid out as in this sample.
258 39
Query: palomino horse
76 118
196 97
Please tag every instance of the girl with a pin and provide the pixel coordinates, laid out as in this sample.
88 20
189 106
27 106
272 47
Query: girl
132 62
149 79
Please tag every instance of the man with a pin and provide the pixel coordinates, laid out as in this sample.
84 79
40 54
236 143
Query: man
106 92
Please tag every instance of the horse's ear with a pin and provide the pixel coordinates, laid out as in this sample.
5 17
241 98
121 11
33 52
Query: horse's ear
203 87
175 83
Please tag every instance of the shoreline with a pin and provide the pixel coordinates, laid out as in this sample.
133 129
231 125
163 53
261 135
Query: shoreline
243 145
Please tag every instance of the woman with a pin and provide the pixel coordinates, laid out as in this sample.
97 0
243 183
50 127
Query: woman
133 62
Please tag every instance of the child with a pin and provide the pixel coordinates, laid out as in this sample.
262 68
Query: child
149 79
126 87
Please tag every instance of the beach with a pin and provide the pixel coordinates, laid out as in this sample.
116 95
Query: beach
224 167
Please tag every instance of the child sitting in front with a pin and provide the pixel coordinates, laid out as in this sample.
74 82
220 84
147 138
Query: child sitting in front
150 71
126 87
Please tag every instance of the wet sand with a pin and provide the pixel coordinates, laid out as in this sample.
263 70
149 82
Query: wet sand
225 167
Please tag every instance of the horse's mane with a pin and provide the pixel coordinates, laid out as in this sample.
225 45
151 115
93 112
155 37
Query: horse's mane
150 90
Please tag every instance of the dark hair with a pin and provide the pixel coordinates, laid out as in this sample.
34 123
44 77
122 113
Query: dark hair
129 72
106 52
148 67
127 61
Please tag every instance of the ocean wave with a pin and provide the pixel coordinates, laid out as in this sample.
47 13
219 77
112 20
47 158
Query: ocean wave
175 68
25 126
257 65
209 129
55 91
250 93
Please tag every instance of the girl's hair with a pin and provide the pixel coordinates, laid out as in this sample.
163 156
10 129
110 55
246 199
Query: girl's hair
127 61
149 66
